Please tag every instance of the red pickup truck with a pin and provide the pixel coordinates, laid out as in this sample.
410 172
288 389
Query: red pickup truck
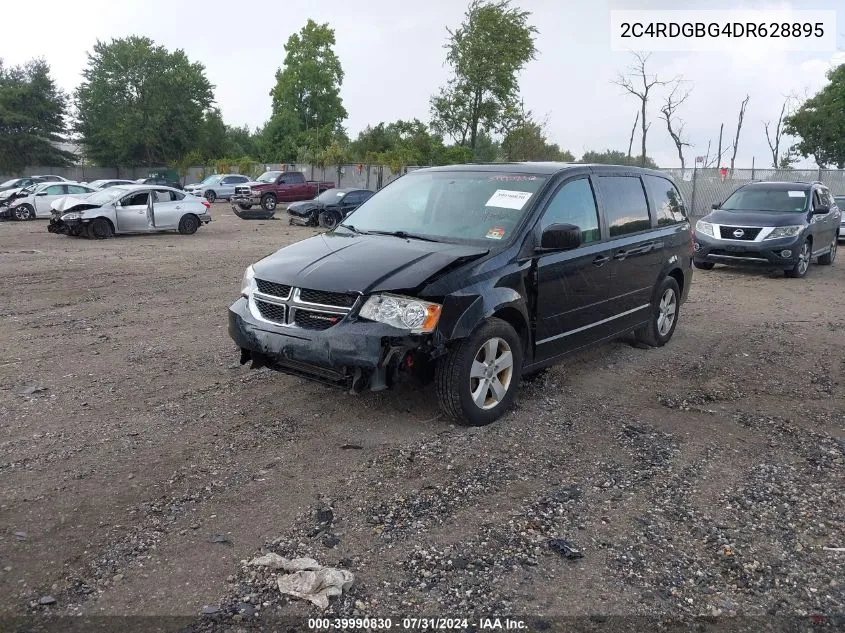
273 187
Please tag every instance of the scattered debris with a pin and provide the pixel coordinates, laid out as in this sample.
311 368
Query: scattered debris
274 561
353 447
325 516
330 541
30 390
21 536
834 549
46 600
565 548
316 586
221 538
210 610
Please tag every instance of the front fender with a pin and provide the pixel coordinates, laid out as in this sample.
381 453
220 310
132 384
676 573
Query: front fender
464 313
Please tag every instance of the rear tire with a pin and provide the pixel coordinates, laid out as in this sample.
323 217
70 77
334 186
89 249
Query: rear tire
189 224
703 265
803 264
477 380
100 229
828 258
665 309
210 195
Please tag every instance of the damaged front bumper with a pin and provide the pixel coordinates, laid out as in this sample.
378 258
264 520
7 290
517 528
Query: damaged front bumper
355 355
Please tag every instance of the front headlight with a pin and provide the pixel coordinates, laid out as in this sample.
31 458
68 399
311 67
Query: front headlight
704 227
405 313
784 231
248 283
75 215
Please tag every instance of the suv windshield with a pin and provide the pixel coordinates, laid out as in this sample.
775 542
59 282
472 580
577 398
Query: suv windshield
775 200
268 176
459 206
211 179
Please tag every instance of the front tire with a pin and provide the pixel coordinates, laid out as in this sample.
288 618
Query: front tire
328 219
703 265
803 264
665 309
210 195
100 229
268 202
828 258
477 380
24 212
189 224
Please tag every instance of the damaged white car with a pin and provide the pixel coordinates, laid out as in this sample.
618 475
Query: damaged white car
129 209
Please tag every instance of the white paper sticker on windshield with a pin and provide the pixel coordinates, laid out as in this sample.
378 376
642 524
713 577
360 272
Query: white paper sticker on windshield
508 199
796 194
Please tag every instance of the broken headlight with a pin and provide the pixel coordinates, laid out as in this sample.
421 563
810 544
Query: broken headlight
74 215
405 313
248 283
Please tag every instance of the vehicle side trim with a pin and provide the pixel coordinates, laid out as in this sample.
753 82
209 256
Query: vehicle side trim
591 325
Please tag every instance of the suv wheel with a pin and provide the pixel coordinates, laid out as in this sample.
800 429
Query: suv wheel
477 379
268 201
210 195
664 314
828 258
803 264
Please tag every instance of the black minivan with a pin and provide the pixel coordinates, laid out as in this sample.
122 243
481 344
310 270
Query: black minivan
472 276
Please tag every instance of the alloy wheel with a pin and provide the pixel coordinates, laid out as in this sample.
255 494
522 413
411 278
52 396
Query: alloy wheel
804 259
666 312
491 373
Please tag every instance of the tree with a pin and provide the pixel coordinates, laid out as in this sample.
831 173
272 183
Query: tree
212 136
241 142
486 53
820 123
640 84
633 132
138 103
308 86
615 157
674 125
742 107
774 139
527 141
32 118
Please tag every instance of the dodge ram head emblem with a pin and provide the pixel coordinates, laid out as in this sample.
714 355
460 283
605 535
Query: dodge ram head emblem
739 233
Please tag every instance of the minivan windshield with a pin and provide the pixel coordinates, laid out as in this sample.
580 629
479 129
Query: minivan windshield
449 206
768 199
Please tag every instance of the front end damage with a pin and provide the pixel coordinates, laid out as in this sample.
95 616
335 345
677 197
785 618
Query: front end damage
354 355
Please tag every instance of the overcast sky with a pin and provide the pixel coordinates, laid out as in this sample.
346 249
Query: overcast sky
393 57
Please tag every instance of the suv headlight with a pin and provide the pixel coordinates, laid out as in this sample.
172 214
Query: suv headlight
405 313
248 283
784 231
704 227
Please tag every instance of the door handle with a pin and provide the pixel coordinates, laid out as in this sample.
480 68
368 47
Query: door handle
178 207
600 260
620 255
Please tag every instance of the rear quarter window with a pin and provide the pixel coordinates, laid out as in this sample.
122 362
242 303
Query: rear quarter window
668 204
625 206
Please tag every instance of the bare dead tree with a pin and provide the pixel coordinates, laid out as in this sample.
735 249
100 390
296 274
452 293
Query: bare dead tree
707 155
777 134
637 75
739 128
633 131
716 161
675 126
719 151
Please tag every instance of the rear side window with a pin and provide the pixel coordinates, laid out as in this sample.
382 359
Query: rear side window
56 190
668 204
77 189
625 206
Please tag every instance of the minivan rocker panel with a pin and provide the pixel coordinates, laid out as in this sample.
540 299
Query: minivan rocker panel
492 293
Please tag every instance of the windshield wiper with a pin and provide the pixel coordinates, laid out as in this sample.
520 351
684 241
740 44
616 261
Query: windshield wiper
405 235
353 229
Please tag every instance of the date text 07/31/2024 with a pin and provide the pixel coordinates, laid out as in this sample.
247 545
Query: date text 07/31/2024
414 624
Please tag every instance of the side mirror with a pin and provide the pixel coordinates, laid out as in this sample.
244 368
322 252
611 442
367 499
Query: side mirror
717 205
561 237
41 193
822 209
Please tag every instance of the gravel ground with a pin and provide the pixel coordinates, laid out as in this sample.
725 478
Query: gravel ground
143 468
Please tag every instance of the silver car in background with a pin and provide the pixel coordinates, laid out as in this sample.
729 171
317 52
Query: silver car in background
35 201
129 209
217 186
106 183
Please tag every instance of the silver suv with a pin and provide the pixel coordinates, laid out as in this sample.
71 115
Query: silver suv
217 186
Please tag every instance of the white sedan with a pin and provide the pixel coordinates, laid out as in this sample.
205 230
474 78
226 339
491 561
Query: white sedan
129 209
35 201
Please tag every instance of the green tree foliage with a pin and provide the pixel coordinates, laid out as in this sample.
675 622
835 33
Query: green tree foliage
820 123
212 136
32 118
526 140
140 104
241 142
614 157
486 53
402 143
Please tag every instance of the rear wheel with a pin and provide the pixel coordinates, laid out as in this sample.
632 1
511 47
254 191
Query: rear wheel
703 265
803 264
664 315
189 224
100 229
24 212
210 195
477 379
828 258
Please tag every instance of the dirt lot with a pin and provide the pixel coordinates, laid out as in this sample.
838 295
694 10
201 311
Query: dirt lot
702 478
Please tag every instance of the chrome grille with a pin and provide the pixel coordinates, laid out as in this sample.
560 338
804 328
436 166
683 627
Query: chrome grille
272 288
242 191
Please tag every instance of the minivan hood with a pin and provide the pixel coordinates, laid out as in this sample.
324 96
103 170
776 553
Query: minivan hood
337 262
754 218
